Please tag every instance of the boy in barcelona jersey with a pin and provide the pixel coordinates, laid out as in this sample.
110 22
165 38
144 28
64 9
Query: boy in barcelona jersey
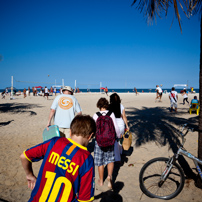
67 170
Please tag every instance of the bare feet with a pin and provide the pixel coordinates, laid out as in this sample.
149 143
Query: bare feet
100 183
109 182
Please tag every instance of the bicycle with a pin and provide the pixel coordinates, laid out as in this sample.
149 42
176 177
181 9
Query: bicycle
162 177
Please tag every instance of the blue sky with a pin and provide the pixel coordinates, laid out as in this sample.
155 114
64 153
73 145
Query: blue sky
95 41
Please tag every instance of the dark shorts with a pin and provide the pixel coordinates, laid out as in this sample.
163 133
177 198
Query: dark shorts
103 156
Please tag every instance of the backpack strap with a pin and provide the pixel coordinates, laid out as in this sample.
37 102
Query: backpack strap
109 113
99 114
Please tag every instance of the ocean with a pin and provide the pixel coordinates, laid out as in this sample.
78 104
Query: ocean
121 90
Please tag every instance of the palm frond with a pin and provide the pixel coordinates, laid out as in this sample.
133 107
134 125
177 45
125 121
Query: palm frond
151 8
195 7
177 13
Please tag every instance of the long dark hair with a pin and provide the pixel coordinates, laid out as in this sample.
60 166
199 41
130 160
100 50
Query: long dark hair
115 105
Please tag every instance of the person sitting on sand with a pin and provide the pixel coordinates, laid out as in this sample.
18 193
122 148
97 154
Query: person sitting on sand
194 100
105 156
67 170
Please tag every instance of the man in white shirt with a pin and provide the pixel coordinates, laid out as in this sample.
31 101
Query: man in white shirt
173 99
158 93
63 109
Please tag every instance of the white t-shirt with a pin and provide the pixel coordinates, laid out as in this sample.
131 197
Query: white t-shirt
120 121
46 90
185 95
173 96
65 107
159 90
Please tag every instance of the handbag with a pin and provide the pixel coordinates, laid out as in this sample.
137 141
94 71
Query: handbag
127 140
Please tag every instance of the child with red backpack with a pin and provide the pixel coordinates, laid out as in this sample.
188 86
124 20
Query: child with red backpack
106 133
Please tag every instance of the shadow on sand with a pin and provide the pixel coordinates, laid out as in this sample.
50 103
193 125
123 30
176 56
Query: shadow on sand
157 125
2 200
112 195
18 108
5 123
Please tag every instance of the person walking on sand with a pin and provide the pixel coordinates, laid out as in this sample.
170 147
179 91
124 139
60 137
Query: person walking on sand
106 91
173 99
135 90
185 96
3 95
159 93
67 172
28 91
46 93
6 91
63 110
24 92
104 154
55 90
118 109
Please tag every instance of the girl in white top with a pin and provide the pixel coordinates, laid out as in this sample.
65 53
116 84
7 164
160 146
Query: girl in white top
119 111
185 96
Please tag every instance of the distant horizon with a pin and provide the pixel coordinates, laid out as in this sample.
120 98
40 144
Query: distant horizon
164 88
19 84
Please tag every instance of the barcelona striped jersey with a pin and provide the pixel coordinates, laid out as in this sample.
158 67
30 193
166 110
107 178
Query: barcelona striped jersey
66 174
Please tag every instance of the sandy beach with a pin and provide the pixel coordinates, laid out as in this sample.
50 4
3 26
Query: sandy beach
153 126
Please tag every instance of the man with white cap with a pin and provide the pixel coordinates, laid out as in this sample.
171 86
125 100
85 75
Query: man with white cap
63 109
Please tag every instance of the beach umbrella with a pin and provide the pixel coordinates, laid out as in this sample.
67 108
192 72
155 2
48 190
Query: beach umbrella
38 87
102 88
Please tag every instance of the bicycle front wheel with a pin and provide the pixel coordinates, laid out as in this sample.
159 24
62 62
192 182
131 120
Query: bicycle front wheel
151 183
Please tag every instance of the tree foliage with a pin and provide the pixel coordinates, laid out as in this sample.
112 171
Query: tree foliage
153 8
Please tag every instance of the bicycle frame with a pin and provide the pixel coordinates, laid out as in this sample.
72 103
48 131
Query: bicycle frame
195 160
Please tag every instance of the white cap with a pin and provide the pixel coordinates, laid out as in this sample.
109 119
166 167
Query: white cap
67 88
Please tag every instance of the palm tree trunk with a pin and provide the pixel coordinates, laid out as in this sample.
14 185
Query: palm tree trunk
200 97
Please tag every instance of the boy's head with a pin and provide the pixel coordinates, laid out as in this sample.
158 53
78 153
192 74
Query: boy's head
195 97
103 103
173 88
83 125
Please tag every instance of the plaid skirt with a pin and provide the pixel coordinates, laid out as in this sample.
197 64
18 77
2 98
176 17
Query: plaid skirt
103 156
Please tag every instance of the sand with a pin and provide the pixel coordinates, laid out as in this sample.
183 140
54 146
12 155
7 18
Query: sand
22 122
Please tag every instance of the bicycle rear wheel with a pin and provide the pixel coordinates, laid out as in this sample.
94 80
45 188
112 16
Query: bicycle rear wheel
151 184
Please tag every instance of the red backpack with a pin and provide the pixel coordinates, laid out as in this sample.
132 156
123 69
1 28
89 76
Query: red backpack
105 131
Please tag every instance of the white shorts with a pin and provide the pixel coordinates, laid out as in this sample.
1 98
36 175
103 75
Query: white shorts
173 104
